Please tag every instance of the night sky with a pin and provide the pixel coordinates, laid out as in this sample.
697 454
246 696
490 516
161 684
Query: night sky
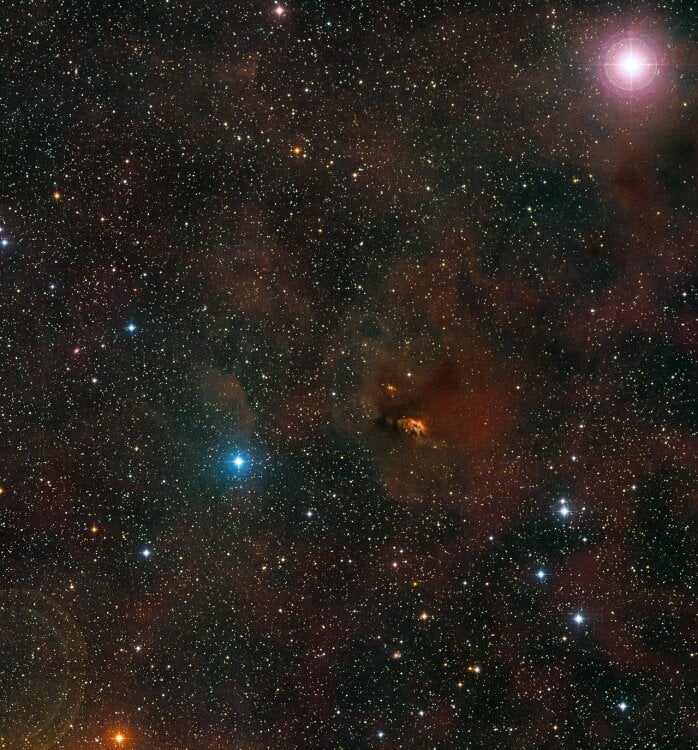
349 388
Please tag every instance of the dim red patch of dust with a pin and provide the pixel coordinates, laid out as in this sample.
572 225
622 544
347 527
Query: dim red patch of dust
145 611
492 485
227 391
431 286
468 382
258 278
450 424
468 415
242 69
461 404
589 582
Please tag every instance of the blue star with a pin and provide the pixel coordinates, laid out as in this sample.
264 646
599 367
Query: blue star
236 462
540 575
131 327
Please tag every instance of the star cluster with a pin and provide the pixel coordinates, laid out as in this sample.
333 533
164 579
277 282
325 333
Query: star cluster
348 396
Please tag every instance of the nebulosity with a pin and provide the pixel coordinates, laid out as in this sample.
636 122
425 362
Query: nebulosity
348 397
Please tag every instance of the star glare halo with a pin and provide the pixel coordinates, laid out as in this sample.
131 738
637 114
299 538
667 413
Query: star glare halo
630 64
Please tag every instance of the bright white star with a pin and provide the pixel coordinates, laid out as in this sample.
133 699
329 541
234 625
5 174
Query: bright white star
631 64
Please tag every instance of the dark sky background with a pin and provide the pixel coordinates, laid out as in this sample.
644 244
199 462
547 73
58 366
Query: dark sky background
348 394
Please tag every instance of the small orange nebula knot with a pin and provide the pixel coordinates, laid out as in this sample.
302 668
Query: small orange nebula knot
415 427
397 655
57 196
297 150
424 616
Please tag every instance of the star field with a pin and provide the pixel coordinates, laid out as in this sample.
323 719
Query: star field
348 397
